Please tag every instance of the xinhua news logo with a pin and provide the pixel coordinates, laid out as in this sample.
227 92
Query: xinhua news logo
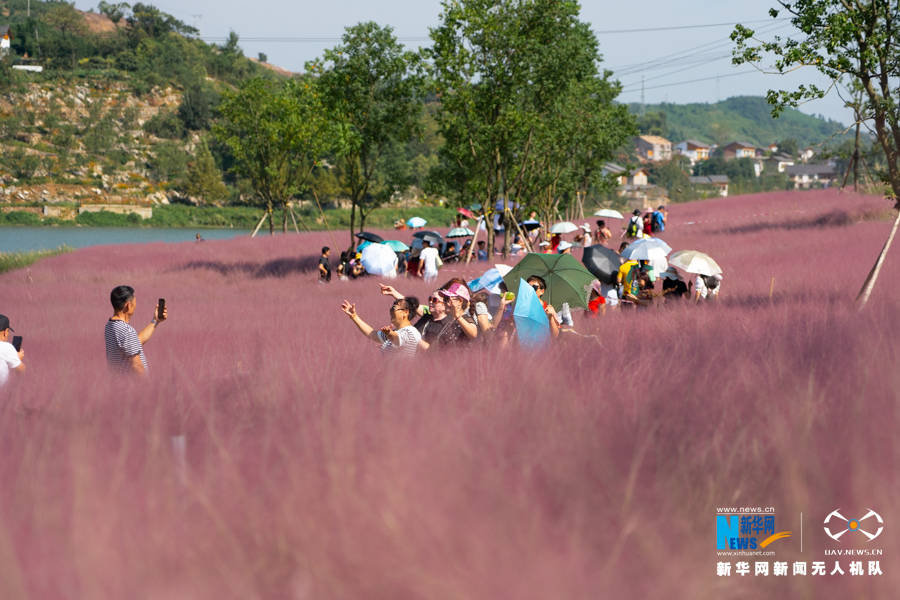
746 532
837 525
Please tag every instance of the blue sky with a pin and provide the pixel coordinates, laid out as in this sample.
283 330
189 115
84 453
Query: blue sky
680 53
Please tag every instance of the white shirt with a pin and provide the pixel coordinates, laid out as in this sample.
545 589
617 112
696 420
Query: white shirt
9 360
429 257
588 240
611 293
700 288
407 344
564 315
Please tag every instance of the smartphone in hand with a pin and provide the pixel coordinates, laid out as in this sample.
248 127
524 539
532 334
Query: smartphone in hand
17 342
160 308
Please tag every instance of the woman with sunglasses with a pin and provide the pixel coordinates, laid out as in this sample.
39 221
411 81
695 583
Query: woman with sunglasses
539 286
400 337
432 316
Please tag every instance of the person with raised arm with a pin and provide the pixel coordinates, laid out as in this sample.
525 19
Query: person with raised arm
400 337
124 345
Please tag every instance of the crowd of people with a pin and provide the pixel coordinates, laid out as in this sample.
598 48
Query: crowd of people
456 315
453 316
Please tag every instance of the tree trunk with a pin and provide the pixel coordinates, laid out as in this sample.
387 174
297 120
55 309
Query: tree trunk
869 284
489 227
269 211
352 225
284 218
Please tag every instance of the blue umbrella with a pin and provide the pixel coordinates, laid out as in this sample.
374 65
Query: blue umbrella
397 245
362 245
490 280
532 325
416 222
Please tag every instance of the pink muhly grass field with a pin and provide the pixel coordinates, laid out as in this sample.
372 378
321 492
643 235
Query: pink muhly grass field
312 467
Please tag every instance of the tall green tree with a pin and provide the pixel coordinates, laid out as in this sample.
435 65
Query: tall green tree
276 132
504 71
372 88
854 43
204 180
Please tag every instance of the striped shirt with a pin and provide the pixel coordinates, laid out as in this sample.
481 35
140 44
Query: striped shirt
122 343
408 342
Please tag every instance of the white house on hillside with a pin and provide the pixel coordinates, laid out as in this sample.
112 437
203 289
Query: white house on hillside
694 150
635 177
653 147
739 150
811 176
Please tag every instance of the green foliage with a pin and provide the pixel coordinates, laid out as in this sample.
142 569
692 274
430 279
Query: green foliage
7 74
203 177
512 77
10 261
179 215
373 89
114 11
147 21
789 146
169 163
197 106
98 130
19 217
653 123
741 118
64 40
673 175
276 132
856 45
165 124
106 218
740 169
20 163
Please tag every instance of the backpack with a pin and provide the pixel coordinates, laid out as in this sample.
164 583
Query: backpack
632 229
710 282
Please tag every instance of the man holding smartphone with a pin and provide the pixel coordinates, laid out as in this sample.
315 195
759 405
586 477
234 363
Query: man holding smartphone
124 345
10 356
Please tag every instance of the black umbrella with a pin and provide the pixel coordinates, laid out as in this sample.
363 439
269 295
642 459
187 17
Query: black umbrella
433 237
529 225
603 262
369 236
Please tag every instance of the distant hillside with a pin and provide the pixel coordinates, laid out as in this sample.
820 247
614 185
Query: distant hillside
743 118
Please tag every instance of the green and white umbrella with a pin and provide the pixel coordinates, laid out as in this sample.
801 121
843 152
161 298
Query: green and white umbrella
457 232
567 279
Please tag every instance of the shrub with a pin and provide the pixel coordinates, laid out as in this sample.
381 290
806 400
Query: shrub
20 217
165 124
105 218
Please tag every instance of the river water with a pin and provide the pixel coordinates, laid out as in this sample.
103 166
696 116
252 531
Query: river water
21 239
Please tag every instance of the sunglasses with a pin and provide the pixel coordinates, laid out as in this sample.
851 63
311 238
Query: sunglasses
397 307
536 287
435 299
